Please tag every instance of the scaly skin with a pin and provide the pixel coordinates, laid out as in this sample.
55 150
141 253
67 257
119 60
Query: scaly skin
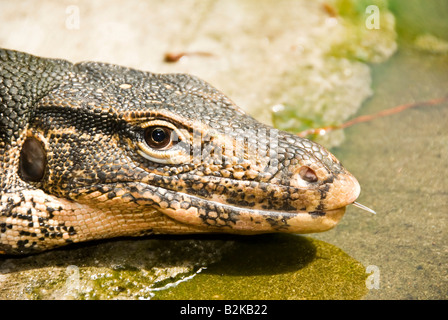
76 163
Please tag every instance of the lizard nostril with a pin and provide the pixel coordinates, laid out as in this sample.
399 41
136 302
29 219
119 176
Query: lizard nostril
308 174
33 160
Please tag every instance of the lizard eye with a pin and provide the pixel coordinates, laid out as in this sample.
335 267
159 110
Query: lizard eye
160 137
162 142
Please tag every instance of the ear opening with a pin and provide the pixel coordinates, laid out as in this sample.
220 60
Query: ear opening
33 160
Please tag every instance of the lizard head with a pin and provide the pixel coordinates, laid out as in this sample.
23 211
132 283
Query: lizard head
93 150
176 154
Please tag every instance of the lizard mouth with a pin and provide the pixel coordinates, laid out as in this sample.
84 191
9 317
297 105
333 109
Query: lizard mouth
220 217
215 215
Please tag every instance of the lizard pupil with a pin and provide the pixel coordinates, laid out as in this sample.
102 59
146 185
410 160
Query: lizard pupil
158 137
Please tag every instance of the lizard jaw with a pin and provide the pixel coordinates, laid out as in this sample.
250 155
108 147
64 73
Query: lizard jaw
224 217
230 219
195 214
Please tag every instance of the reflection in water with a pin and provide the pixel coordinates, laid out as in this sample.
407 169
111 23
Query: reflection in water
212 267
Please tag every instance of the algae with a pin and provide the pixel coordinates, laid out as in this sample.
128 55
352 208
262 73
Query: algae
277 267
327 91
260 267
322 95
126 269
430 43
367 31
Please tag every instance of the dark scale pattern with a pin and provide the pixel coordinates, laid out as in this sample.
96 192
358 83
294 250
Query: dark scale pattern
223 172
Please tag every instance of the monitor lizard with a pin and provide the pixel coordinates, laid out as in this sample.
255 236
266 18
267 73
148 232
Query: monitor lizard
94 150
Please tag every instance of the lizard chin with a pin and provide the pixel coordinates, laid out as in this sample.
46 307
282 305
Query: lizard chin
193 214
238 220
